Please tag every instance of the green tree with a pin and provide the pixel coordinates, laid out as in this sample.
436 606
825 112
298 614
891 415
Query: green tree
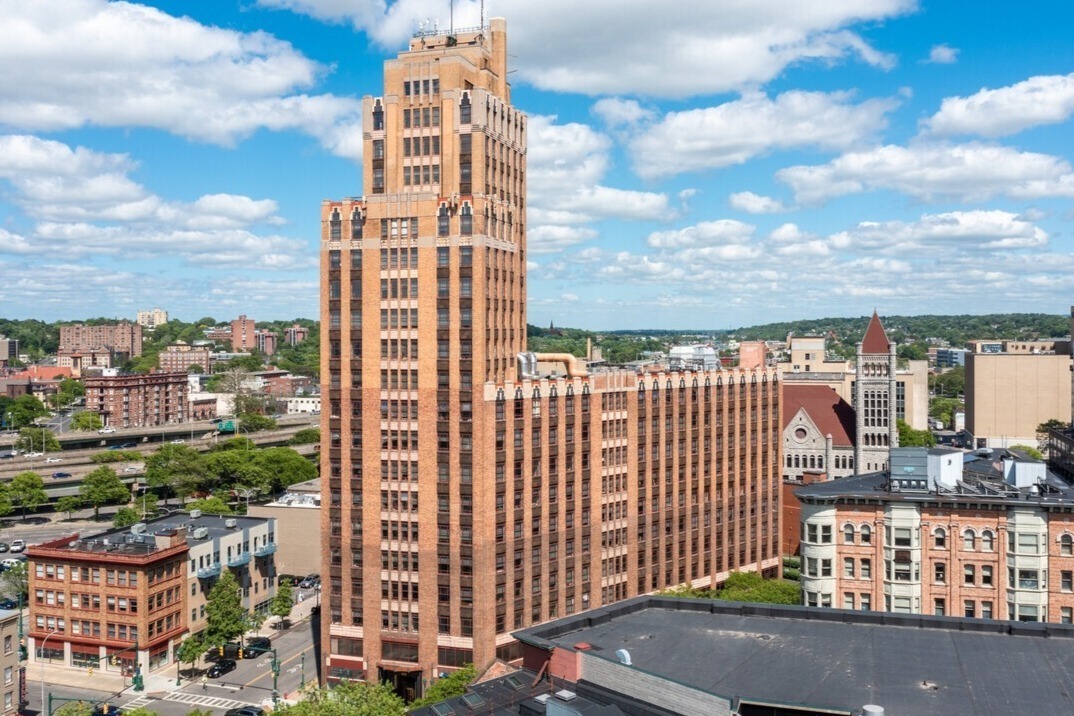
26 491
908 437
306 436
454 684
37 440
110 456
17 581
24 410
949 384
1042 432
225 615
283 601
102 487
210 506
69 390
86 420
944 409
69 504
280 467
253 423
75 708
191 650
176 468
351 698
195 369
125 517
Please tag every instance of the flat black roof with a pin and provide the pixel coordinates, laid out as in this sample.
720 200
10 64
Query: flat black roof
831 658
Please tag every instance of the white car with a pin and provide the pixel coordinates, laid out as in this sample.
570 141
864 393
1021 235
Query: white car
18 545
131 468
52 460
106 431
178 441
35 454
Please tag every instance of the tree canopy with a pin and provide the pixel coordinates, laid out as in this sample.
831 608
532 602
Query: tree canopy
86 420
23 411
102 487
745 587
351 698
37 440
454 684
26 491
225 616
908 437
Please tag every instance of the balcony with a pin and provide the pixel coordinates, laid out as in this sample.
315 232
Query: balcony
213 570
266 551
239 560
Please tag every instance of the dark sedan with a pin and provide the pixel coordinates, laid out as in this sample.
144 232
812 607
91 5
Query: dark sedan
60 475
220 668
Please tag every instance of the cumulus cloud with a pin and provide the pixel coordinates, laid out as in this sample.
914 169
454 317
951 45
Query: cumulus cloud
1044 99
969 172
752 203
736 131
617 112
610 47
119 64
705 234
942 55
960 230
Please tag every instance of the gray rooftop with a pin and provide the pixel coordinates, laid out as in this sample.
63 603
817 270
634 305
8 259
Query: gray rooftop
830 658
121 539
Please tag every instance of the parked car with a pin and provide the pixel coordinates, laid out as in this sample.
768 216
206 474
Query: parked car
53 460
18 545
106 431
293 579
220 668
310 581
59 475
11 561
245 711
4 546
259 642
8 604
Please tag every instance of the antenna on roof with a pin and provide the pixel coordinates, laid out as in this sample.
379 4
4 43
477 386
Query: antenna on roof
451 16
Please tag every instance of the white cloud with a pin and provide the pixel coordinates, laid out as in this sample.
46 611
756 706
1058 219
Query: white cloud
752 203
943 55
704 234
1044 99
970 172
736 131
550 239
612 47
119 64
957 230
616 112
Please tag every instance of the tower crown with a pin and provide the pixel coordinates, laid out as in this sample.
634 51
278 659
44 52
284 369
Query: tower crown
876 339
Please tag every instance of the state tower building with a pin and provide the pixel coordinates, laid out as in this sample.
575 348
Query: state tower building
471 488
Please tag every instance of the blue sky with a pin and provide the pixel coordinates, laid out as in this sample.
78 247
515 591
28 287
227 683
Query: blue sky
697 165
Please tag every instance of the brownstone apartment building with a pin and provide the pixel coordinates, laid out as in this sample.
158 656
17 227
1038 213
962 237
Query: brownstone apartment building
470 488
123 337
987 534
178 357
138 401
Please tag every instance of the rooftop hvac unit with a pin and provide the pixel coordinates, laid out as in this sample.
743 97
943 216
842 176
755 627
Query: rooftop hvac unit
565 695
195 514
138 528
201 532
231 523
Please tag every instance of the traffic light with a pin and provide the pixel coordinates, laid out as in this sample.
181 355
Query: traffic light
115 661
22 649
220 651
89 672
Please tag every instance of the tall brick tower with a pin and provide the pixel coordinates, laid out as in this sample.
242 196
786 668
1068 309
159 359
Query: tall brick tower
874 399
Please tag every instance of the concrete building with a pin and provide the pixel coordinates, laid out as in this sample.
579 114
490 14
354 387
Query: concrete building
12 673
303 404
123 338
295 512
179 357
152 319
950 357
465 492
295 334
81 362
243 334
139 400
265 341
124 599
1009 394
987 535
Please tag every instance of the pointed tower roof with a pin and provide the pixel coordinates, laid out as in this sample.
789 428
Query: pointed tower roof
876 339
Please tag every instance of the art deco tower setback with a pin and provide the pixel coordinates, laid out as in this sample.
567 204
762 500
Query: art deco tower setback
470 488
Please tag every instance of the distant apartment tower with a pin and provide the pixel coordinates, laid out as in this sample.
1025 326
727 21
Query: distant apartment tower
9 351
139 401
152 319
121 338
265 341
243 333
295 334
179 357
466 494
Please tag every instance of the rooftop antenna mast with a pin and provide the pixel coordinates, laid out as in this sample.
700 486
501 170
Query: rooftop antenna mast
451 17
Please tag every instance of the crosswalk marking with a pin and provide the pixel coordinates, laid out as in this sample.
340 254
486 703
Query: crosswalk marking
204 700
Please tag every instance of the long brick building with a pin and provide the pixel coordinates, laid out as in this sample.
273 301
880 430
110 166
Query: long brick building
124 338
139 400
470 488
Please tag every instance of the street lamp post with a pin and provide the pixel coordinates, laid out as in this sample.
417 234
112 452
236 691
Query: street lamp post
247 493
41 656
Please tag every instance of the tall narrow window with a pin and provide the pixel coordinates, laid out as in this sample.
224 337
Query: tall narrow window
466 221
443 222
464 110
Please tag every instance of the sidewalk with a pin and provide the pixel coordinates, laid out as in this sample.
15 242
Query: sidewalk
78 678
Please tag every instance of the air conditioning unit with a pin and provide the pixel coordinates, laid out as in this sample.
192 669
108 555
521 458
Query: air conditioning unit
231 523
138 528
195 514
201 533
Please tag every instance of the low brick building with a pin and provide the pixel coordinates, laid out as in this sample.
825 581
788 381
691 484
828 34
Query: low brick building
179 357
